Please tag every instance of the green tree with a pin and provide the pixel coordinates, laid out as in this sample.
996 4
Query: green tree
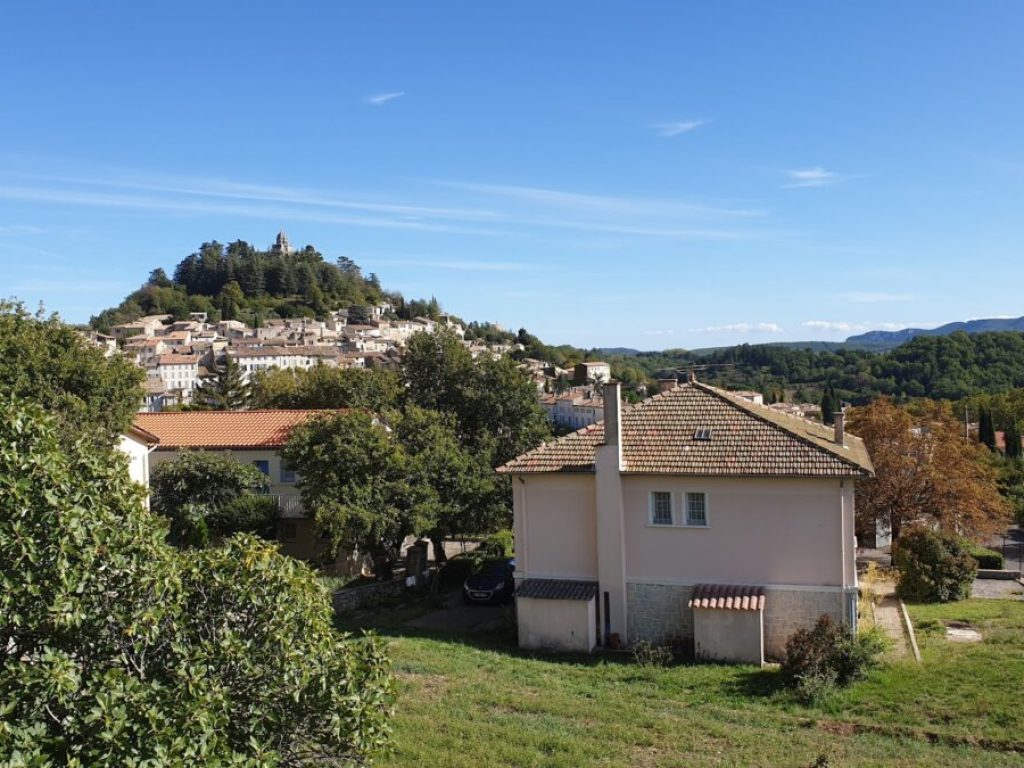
1012 439
986 429
50 363
829 404
437 367
352 477
117 649
455 490
373 389
199 492
224 390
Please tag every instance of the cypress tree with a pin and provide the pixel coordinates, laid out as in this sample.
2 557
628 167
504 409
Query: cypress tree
225 390
828 405
986 429
1012 435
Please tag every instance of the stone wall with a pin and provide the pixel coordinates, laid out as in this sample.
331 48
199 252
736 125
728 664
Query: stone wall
660 615
786 611
345 600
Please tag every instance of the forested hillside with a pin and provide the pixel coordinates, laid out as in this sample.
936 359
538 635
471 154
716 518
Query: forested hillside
950 367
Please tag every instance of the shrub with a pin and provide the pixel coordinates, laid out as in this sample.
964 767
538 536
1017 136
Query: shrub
826 656
987 558
647 655
500 544
934 567
248 513
119 649
456 570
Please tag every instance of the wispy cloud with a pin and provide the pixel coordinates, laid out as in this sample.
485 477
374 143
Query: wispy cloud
20 229
876 297
811 177
846 326
740 328
467 265
377 99
678 127
666 332
582 202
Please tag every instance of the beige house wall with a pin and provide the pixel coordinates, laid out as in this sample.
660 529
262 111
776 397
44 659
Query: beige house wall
557 625
554 525
760 531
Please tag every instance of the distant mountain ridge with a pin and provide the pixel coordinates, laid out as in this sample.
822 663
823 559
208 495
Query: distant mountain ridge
880 340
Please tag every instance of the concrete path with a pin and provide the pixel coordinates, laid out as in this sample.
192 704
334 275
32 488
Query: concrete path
888 617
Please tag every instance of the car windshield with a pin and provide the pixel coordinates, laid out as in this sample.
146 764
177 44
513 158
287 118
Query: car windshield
493 568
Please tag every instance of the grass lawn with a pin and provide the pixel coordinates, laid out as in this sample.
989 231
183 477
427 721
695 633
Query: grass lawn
476 701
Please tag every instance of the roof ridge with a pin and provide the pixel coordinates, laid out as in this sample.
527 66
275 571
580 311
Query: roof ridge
752 408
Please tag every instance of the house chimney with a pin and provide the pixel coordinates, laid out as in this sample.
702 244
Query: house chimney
612 412
840 437
664 385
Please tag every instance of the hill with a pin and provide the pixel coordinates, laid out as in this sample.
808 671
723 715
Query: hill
881 340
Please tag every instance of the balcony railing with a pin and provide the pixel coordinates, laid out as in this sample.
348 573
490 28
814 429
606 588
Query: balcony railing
288 504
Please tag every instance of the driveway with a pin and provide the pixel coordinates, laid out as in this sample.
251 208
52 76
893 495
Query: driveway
455 616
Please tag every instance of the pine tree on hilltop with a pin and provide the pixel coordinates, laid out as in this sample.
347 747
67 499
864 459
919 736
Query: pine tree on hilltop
224 390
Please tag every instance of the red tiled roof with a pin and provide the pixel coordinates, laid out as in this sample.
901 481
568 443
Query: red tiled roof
660 436
728 597
222 429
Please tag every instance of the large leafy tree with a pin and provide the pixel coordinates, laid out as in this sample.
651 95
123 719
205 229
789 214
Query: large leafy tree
117 649
49 362
372 389
925 470
225 389
457 492
494 404
352 477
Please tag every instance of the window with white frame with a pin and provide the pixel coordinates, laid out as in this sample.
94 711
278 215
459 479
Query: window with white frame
661 508
696 509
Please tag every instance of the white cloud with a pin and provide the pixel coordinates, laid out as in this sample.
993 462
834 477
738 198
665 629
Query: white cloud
377 99
678 127
20 229
876 297
666 332
740 328
846 326
811 177
466 265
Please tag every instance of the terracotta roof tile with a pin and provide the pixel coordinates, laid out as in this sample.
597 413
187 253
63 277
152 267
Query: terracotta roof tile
662 435
222 429
728 597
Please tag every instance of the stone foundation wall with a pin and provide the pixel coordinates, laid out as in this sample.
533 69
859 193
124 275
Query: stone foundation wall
786 611
659 614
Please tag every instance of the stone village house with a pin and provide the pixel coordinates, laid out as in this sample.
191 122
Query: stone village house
695 519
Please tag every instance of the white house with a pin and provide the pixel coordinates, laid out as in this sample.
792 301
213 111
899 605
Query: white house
179 374
251 360
594 371
694 519
248 436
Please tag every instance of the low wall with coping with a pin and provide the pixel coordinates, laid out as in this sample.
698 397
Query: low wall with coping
345 600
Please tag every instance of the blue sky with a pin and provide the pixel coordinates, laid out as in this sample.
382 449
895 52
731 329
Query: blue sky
646 174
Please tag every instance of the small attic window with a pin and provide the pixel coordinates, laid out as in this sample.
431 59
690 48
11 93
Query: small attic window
702 433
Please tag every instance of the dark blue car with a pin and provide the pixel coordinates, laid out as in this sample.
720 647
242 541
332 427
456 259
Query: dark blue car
493 583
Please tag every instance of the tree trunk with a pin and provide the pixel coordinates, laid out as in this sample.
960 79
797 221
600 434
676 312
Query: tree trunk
439 554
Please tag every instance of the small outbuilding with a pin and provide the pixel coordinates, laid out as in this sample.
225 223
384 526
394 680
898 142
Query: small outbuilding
557 614
728 623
